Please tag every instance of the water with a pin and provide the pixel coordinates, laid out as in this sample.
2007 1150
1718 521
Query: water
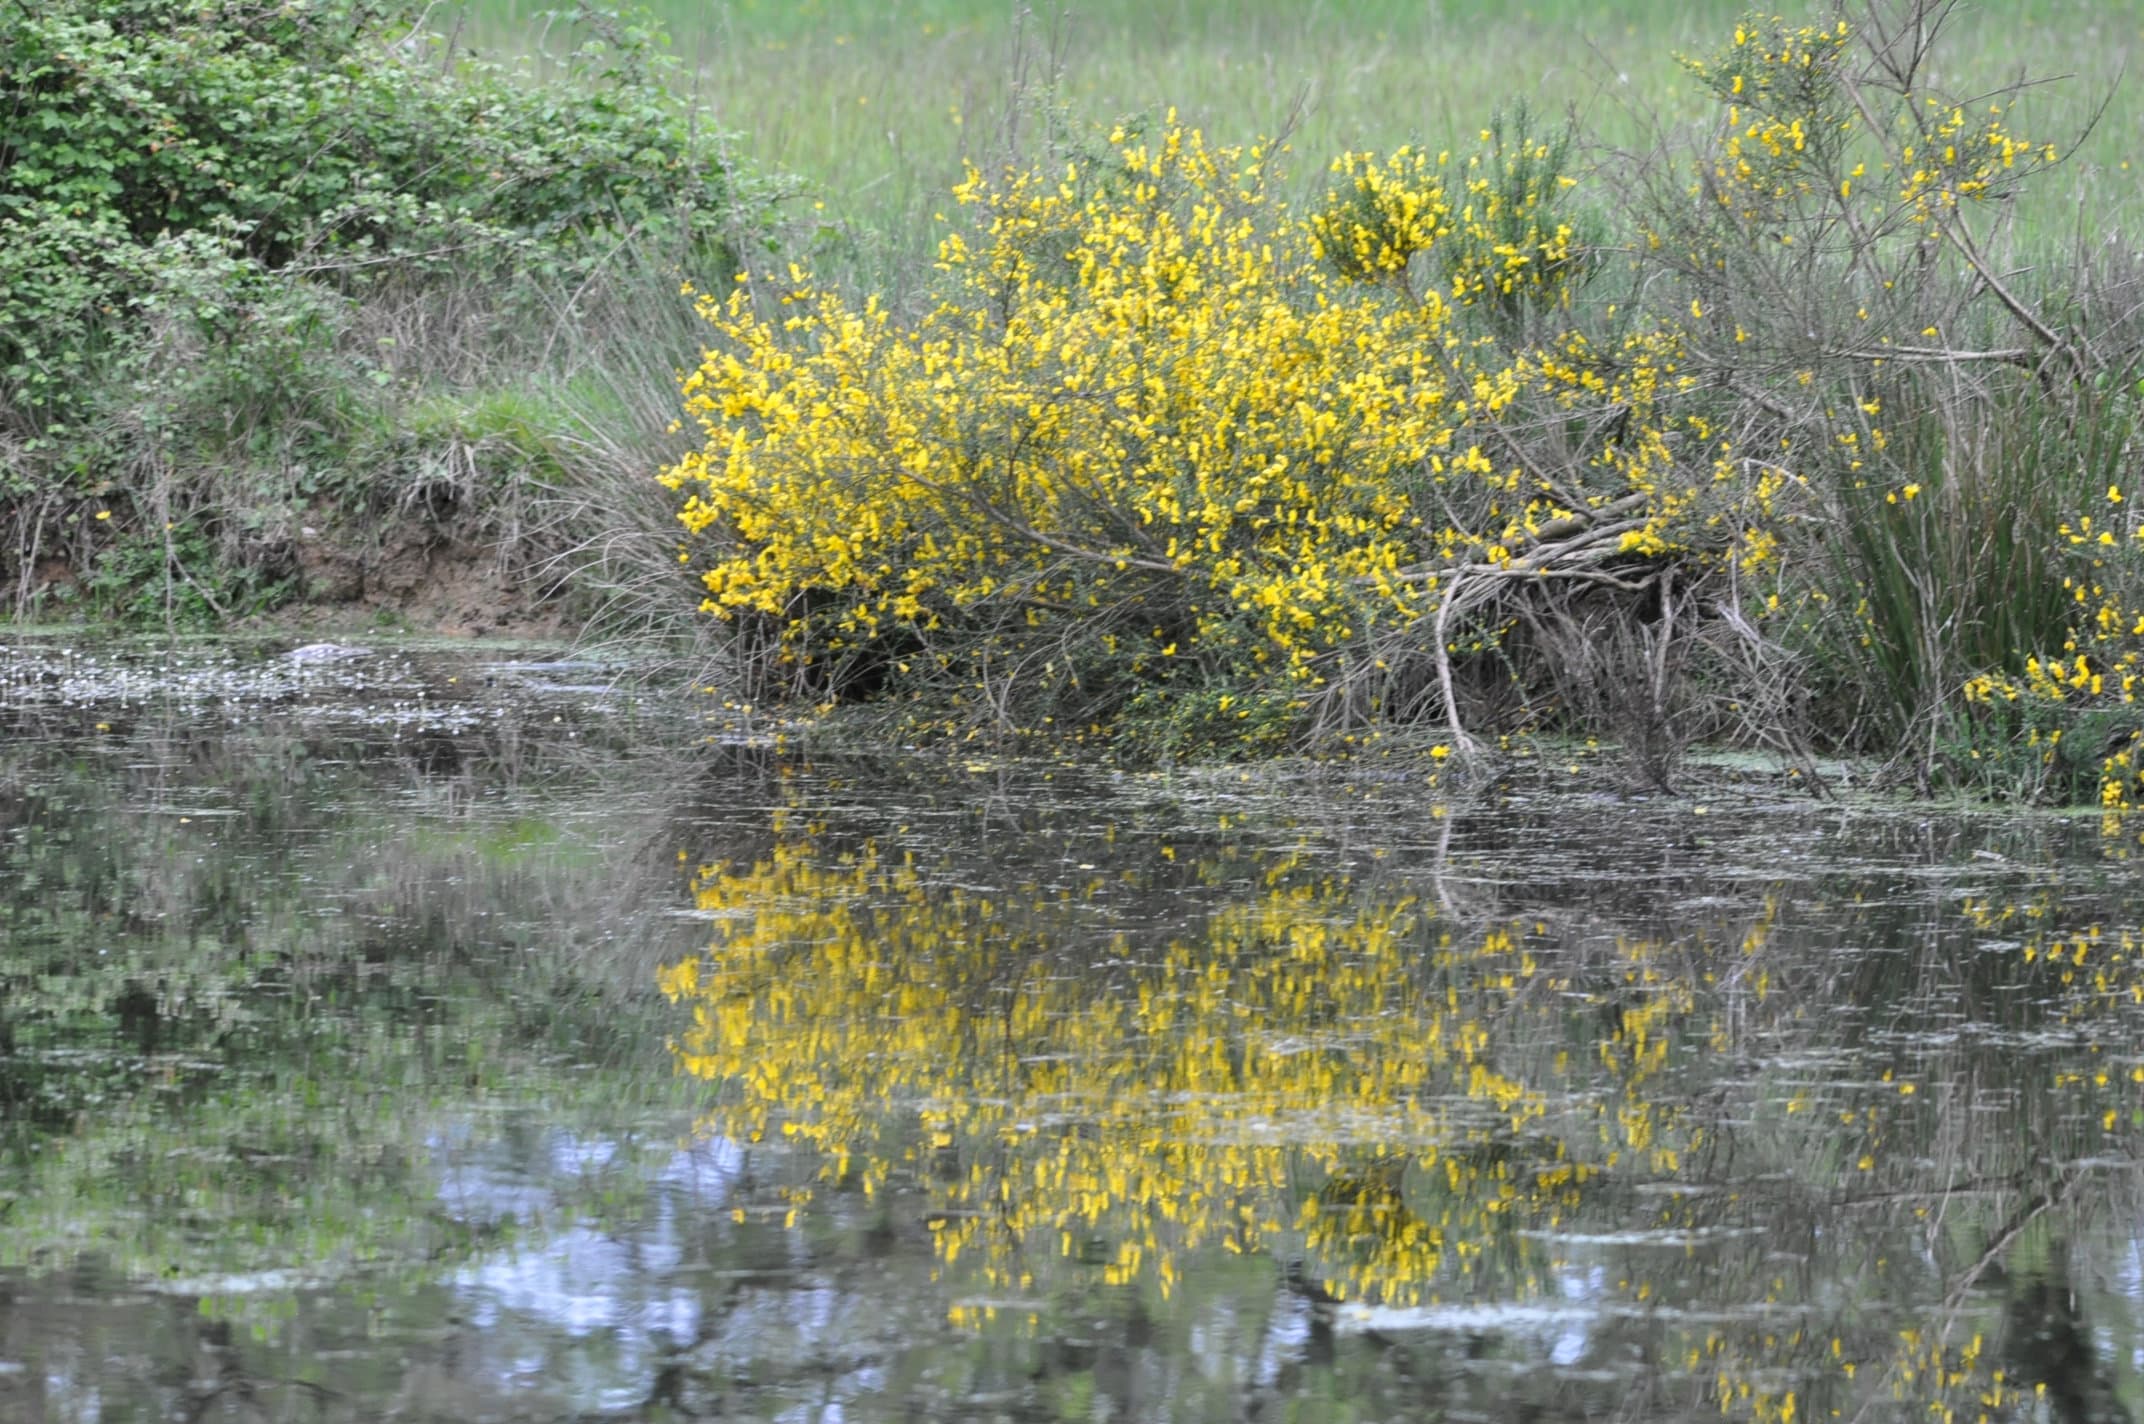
442 1035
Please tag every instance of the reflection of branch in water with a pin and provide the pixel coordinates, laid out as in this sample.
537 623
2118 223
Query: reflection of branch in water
2023 1217
2050 1345
230 1383
1439 862
1298 1334
2045 1341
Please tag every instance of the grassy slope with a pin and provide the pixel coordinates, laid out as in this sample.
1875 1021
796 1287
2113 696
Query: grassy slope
877 102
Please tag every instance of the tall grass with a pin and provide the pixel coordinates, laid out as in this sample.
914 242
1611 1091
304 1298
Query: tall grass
541 447
877 104
1958 545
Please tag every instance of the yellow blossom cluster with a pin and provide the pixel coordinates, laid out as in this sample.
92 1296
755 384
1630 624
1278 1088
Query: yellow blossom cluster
1797 140
1385 213
1785 117
1957 158
1491 225
1162 417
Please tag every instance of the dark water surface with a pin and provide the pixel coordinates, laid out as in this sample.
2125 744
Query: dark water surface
456 1036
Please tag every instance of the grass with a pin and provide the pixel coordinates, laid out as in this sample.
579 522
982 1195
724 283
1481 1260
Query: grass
875 105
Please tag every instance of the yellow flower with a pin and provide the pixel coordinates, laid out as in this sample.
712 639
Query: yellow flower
1148 383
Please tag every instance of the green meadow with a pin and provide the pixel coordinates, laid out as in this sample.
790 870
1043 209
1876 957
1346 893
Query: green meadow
875 105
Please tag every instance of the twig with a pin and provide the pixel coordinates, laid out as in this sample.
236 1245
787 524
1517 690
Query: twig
1935 355
1005 521
1465 745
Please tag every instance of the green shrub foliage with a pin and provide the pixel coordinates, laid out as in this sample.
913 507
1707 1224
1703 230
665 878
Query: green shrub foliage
153 148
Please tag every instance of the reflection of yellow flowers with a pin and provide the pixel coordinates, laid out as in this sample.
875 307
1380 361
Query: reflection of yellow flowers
1394 1106
931 1039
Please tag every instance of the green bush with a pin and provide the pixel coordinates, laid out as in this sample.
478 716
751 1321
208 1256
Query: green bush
239 241
329 141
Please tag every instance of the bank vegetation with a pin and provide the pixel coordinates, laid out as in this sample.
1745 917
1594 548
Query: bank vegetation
1769 434
1804 427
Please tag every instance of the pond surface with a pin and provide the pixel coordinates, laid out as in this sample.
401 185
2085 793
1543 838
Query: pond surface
455 1035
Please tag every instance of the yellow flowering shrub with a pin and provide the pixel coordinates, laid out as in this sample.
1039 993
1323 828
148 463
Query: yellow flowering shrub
1493 226
1172 459
1963 581
1160 429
